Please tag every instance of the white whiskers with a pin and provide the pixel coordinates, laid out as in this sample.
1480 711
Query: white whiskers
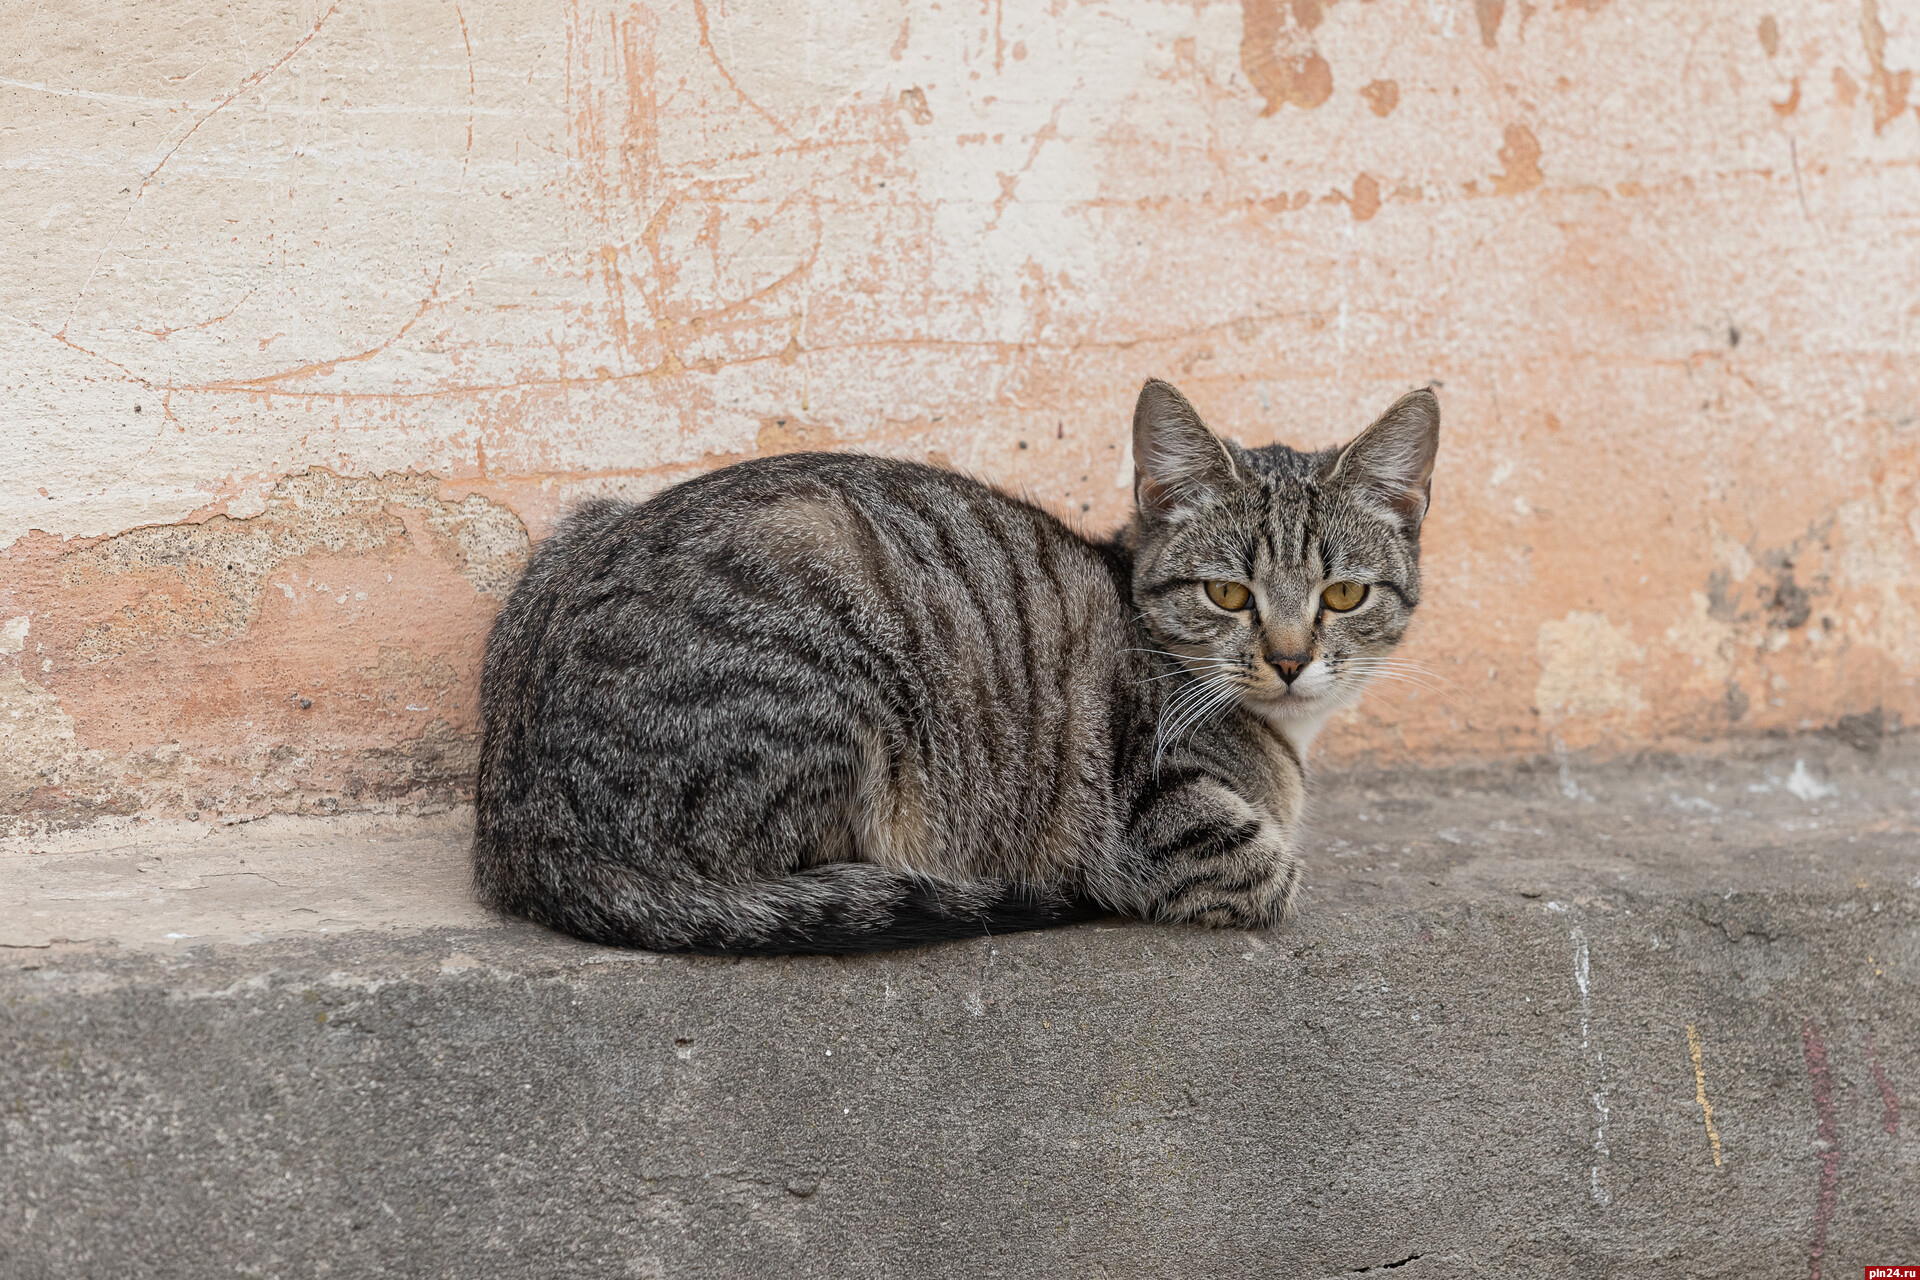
1403 671
1190 708
1189 665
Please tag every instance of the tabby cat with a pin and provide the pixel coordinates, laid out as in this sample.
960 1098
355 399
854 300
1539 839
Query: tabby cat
833 703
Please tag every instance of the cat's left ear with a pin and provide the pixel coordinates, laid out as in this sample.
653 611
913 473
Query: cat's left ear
1393 459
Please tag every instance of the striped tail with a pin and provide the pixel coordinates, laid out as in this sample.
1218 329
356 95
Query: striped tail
840 909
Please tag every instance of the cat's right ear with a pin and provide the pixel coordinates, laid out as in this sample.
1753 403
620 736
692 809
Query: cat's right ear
1176 459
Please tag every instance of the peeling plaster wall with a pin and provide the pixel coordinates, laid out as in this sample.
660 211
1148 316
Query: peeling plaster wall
314 314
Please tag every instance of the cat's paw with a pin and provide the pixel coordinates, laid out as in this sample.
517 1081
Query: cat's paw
1254 891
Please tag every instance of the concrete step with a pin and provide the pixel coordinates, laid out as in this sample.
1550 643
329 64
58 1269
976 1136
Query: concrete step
1486 1047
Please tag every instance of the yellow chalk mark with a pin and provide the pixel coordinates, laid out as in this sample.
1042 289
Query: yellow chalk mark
1700 1091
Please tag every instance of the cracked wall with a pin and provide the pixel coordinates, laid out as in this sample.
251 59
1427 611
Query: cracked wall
321 652
315 313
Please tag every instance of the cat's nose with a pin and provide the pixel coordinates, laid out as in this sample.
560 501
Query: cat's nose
1289 665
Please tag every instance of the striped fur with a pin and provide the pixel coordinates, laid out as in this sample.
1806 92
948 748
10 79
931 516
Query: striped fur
832 703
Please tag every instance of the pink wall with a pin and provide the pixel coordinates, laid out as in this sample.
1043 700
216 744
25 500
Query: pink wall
313 319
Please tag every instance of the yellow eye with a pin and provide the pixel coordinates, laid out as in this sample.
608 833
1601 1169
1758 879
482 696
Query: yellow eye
1228 595
1342 596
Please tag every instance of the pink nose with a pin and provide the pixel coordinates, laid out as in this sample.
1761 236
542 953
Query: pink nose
1289 665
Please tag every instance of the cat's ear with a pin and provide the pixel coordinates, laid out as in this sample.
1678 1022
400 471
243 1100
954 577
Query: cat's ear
1393 459
1175 457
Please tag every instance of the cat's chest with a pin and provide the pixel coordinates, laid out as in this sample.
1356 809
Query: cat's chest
1299 731
1272 776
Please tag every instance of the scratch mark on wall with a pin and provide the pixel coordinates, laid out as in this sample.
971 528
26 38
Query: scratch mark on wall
994 350
1601 1154
706 42
164 333
243 86
1889 1101
320 368
466 157
1820 1074
1799 188
63 340
640 131
91 95
1047 132
1700 1092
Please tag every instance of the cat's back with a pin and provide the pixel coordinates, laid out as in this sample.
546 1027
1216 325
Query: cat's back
818 568
884 525
832 499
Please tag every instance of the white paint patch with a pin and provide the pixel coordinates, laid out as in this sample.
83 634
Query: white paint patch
13 634
1808 787
1704 638
1581 657
1582 977
1729 553
1569 788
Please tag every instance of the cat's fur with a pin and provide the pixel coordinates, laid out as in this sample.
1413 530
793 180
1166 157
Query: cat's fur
833 703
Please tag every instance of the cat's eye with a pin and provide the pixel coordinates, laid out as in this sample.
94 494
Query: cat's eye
1342 596
1228 595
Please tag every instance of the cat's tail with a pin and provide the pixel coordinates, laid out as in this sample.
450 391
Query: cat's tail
838 909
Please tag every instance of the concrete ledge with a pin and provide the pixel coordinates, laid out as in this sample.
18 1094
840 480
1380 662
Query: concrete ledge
1470 1056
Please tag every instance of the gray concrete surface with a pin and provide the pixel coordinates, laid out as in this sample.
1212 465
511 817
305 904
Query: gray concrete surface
1470 1055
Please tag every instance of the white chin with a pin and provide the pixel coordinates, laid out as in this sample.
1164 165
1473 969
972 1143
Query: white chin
1295 706
1299 717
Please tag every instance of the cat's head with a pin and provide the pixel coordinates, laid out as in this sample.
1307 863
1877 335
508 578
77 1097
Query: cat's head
1279 578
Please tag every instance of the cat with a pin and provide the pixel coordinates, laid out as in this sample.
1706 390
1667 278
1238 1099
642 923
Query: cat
833 703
